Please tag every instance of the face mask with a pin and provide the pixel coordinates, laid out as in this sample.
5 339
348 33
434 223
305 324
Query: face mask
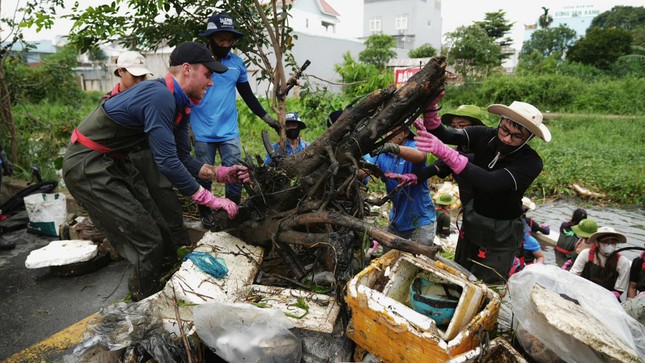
606 249
503 148
218 52
293 133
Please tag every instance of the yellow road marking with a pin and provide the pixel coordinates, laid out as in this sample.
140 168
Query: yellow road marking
58 342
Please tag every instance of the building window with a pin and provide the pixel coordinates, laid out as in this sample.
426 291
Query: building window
375 25
401 23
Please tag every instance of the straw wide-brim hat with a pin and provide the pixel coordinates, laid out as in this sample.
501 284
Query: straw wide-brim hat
606 232
524 114
528 203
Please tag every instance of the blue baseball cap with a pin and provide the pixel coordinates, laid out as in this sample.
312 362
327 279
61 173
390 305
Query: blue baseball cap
220 23
294 117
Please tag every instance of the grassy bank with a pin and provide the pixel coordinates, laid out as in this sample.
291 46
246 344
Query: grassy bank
603 154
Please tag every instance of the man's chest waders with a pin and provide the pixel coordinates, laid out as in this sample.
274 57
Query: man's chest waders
491 243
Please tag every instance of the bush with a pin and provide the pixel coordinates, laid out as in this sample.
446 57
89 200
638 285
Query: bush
53 81
44 130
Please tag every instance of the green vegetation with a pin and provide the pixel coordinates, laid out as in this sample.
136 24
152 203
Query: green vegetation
600 152
603 77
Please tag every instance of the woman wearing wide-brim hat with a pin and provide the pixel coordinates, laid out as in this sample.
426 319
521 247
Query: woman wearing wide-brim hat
502 168
601 265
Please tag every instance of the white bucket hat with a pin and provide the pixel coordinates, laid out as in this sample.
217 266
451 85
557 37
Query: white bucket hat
133 62
528 203
524 114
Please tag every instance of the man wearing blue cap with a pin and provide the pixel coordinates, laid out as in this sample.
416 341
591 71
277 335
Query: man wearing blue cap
214 121
295 143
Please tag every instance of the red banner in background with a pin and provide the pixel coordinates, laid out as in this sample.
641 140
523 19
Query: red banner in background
401 75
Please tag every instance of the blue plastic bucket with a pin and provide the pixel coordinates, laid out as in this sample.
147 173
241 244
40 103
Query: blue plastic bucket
434 300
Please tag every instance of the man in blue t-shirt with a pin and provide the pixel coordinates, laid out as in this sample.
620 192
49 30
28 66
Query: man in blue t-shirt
214 120
413 214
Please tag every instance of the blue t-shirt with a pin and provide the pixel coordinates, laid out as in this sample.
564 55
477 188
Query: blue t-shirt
412 205
301 146
215 118
150 105
531 244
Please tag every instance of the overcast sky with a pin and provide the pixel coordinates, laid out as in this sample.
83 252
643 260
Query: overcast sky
455 13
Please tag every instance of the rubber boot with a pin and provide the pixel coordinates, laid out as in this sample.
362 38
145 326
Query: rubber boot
6 245
205 216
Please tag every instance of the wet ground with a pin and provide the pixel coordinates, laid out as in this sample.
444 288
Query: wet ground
35 303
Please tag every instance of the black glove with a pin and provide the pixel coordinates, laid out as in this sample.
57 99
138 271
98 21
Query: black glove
271 122
388 147
7 168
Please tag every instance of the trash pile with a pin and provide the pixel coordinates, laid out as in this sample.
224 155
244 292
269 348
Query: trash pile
403 308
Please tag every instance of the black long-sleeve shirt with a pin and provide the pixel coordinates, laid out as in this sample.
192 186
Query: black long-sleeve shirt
498 190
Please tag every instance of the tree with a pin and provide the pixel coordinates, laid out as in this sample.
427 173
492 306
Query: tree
378 50
548 42
497 28
424 51
311 198
148 25
472 52
601 47
545 20
31 14
625 17
361 78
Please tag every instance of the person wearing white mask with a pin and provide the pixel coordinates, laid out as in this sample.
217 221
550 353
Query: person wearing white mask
601 265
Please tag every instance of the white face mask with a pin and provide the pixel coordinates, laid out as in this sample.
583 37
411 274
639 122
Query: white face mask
606 249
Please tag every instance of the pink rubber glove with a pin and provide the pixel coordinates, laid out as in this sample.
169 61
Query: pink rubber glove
407 179
204 197
431 118
616 294
429 143
236 174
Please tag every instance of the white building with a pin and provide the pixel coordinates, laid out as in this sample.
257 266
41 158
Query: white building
412 23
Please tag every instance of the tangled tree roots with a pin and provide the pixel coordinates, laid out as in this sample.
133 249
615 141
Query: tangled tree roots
314 198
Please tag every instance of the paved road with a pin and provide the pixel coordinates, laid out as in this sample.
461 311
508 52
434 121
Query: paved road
34 303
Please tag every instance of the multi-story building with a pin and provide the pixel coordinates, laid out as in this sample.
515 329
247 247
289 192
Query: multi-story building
412 23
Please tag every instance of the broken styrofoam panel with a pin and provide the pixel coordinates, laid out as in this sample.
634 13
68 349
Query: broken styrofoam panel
580 326
60 253
319 315
190 286
193 286
237 254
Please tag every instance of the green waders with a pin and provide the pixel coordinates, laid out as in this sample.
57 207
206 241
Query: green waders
117 199
163 194
492 245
